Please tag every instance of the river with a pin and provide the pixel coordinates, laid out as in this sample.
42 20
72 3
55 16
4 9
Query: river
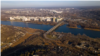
63 28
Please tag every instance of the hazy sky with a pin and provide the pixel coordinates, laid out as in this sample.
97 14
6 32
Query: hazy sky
9 4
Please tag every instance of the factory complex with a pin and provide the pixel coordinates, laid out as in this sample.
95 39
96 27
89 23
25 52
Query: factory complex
48 19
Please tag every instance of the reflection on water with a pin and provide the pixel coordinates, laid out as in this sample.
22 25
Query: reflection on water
62 28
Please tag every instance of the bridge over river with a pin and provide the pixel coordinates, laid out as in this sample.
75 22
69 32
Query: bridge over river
52 29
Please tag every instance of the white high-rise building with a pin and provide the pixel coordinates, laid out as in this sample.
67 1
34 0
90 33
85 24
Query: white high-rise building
11 18
48 19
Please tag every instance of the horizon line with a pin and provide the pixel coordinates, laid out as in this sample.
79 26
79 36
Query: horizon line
50 7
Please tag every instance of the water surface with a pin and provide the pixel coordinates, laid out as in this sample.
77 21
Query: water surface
63 28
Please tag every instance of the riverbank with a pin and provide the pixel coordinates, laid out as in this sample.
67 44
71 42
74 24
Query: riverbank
43 22
51 23
73 27
68 43
92 29
12 36
13 20
84 28
62 28
35 22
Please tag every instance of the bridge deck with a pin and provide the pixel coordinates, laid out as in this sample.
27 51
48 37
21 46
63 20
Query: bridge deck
54 27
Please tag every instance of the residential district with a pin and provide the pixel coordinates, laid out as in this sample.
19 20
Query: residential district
48 19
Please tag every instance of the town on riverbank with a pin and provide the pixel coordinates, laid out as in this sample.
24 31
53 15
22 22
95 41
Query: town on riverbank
71 16
33 32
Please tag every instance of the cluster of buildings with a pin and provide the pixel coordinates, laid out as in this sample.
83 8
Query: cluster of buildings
73 20
55 11
49 19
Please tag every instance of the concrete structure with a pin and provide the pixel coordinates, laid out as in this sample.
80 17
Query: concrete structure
52 29
48 19
11 18
58 19
55 11
23 18
54 19
31 18
40 19
36 19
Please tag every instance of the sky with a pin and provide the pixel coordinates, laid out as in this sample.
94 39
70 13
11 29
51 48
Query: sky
16 4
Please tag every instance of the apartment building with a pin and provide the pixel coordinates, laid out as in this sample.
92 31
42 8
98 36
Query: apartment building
23 18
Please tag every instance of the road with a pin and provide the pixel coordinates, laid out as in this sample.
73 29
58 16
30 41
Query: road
52 30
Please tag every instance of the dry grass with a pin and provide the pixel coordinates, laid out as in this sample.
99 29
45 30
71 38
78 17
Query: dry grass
21 40
50 36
